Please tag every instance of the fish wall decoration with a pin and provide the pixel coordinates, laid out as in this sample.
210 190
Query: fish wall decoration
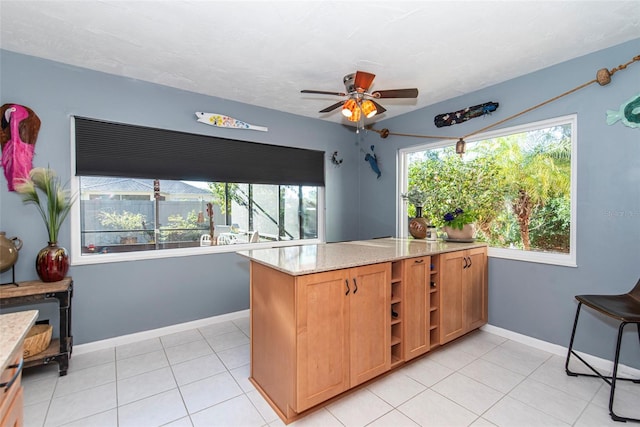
629 113
468 113
20 127
373 162
222 121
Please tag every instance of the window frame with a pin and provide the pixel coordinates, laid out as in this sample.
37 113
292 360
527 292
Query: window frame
567 260
76 257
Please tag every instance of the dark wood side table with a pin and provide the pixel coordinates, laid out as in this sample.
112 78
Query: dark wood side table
35 291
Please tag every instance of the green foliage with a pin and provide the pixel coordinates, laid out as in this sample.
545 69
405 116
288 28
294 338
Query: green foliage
550 225
181 229
517 187
451 183
416 196
125 221
55 208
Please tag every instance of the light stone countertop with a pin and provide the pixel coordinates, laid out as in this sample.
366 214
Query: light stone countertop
13 329
307 259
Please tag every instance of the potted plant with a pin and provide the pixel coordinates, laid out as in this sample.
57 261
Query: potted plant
52 262
459 224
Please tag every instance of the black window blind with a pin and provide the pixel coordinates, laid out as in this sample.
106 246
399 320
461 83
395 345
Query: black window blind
123 150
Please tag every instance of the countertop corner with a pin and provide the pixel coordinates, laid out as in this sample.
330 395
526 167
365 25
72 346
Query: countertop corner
15 327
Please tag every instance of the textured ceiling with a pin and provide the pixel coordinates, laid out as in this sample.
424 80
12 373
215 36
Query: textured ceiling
263 53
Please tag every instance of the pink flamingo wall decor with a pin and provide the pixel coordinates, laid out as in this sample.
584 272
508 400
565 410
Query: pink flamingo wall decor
20 126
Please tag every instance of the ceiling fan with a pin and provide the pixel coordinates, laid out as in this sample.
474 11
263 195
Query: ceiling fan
360 102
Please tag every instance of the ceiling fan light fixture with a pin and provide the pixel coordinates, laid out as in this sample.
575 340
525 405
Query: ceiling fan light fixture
356 114
368 109
350 106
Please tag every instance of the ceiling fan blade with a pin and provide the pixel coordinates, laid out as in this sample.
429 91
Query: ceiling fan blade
322 92
396 93
332 107
379 107
363 80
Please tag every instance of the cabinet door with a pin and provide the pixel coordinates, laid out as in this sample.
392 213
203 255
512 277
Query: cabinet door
322 337
417 306
11 399
452 314
475 298
13 416
370 322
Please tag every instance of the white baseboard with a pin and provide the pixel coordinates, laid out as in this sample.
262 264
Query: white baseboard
597 362
155 333
604 365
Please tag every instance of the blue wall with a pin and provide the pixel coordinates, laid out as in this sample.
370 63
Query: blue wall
531 299
537 299
121 298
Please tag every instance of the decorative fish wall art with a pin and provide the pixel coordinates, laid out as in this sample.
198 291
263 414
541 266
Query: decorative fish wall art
629 113
468 113
373 162
222 121
20 127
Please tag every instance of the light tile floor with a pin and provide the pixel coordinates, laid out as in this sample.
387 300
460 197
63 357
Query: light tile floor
199 378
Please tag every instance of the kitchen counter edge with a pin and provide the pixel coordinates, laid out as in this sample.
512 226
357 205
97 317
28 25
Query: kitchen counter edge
308 259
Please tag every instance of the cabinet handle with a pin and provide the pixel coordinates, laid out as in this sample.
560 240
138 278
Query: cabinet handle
465 263
9 383
346 282
470 262
356 285
419 261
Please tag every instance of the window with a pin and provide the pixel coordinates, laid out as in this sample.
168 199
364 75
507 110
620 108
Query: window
123 214
519 181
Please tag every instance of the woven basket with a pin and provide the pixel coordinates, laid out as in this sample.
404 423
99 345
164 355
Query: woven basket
37 340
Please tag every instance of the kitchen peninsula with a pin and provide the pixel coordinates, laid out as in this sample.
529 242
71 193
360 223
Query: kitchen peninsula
326 318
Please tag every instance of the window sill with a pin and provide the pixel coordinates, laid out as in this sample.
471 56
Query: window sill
565 260
102 258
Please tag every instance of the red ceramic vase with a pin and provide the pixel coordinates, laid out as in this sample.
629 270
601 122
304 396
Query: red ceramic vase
52 263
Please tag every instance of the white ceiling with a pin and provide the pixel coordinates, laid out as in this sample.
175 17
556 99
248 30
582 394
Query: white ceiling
263 53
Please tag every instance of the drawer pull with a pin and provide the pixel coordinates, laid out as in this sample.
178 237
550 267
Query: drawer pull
9 383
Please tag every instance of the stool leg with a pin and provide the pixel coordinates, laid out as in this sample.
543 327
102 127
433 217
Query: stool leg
573 335
614 377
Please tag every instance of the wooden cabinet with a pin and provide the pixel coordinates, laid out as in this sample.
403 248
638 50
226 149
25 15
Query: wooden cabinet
315 336
369 322
11 393
417 304
343 331
322 324
463 292
421 304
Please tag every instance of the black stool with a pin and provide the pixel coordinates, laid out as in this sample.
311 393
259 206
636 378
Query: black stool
626 309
